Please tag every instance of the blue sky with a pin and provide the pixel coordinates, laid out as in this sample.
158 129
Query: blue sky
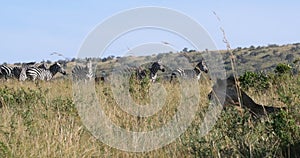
32 30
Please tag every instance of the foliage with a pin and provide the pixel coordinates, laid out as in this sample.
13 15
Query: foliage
282 68
40 120
236 134
285 127
258 81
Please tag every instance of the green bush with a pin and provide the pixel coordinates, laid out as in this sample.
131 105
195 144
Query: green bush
234 135
258 81
285 127
282 68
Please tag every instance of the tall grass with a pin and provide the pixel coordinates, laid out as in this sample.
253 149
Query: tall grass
41 120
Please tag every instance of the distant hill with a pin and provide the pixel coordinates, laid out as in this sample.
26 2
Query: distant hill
261 58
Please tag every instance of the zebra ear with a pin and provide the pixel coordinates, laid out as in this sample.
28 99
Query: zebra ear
57 63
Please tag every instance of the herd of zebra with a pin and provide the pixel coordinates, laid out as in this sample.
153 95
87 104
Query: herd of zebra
86 73
33 71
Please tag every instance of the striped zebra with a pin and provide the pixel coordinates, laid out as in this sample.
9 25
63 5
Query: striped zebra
20 72
152 73
6 71
190 73
42 73
10 72
83 73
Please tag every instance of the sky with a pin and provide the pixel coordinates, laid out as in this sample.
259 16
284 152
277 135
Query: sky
32 30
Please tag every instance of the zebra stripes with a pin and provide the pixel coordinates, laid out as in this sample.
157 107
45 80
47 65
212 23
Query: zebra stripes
16 72
20 72
10 72
83 73
42 73
6 71
152 73
190 73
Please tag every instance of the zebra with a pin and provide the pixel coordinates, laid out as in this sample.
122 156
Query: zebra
20 72
42 73
155 67
17 72
6 71
190 73
10 72
83 73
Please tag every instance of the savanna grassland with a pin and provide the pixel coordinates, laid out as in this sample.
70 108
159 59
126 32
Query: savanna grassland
40 119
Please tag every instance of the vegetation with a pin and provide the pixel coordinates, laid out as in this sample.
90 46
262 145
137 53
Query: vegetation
259 81
40 119
238 134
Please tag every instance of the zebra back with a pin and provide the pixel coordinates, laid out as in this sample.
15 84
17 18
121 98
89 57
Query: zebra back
190 73
43 73
6 71
22 75
83 73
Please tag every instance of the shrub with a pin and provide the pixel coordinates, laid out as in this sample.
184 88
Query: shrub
285 127
258 81
282 68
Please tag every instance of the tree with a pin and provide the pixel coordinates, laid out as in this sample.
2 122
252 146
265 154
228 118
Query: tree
185 49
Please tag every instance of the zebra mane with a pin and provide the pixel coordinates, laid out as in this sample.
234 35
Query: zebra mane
197 68
28 64
43 66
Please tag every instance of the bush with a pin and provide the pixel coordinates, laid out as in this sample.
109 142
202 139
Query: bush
285 127
282 68
258 81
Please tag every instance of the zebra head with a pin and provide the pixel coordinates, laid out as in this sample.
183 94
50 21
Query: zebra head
157 66
56 67
201 66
